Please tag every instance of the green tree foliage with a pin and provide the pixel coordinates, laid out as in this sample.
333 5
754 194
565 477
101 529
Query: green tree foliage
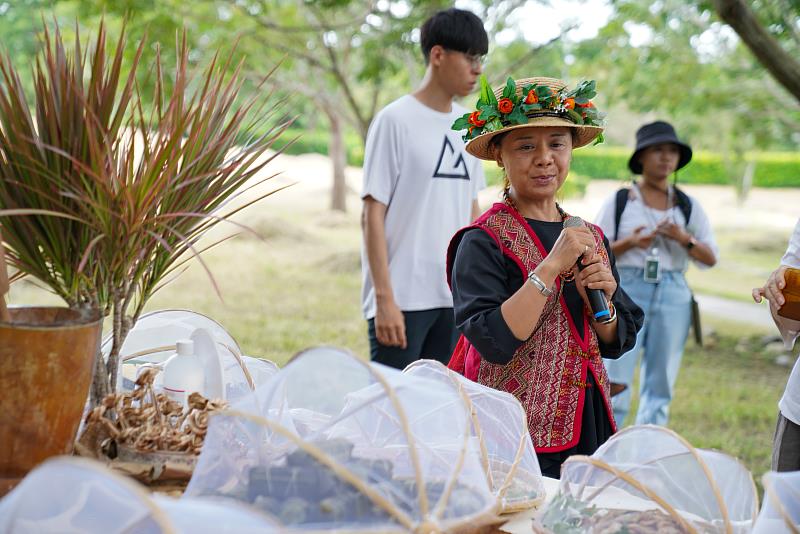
691 69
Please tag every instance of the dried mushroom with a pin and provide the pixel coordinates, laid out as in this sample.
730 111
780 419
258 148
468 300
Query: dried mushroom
146 421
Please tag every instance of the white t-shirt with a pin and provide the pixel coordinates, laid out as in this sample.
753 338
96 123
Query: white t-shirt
417 165
672 255
789 404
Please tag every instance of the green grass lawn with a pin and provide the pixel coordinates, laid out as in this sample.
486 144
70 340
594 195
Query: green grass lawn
746 260
301 287
726 398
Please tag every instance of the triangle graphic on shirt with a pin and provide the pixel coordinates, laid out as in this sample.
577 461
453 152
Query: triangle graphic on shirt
451 164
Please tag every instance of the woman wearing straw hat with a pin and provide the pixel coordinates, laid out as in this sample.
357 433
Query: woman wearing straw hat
519 297
655 229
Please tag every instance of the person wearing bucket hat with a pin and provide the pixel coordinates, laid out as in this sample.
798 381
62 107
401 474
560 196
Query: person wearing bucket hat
519 297
655 229
420 186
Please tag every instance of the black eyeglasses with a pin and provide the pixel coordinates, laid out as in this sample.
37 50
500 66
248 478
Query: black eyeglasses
475 60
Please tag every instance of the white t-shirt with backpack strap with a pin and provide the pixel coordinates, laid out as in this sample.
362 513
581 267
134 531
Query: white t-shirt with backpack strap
672 255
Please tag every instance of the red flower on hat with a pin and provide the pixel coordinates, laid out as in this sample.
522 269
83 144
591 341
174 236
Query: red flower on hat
585 106
505 106
474 120
569 103
532 98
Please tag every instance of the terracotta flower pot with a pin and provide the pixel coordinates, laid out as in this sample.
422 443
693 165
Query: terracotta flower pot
46 360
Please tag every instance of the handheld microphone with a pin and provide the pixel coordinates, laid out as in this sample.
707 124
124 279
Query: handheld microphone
597 299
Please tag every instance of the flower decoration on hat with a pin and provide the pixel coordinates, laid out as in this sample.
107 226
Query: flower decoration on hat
517 107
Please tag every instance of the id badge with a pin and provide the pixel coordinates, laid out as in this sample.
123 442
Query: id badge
652 269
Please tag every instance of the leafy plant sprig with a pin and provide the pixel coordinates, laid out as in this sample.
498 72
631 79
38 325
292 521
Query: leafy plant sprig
105 193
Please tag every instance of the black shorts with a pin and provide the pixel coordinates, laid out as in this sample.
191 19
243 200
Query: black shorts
430 334
786 445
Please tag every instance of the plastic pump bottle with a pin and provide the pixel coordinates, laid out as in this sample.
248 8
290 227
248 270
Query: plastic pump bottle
183 373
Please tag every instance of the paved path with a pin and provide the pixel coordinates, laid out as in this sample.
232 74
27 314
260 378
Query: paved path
734 310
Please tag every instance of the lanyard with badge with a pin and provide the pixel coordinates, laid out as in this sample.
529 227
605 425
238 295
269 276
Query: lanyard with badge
652 262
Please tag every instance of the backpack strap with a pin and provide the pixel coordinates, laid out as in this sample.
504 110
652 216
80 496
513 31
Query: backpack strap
682 200
619 207
684 203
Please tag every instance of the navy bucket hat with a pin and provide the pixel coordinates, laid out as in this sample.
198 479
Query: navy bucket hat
656 133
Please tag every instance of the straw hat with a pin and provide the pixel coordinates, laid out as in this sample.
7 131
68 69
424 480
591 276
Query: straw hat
513 107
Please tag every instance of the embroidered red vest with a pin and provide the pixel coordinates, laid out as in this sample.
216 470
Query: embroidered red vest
548 373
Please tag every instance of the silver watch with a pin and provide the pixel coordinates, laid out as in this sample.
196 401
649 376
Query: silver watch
535 280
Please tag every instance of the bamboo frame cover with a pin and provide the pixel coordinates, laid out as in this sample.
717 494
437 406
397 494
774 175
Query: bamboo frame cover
431 521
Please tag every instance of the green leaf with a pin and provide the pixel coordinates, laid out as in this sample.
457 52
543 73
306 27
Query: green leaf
487 112
487 97
575 116
531 107
517 116
510 90
461 123
493 124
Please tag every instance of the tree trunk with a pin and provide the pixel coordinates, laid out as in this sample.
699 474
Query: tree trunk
783 67
338 155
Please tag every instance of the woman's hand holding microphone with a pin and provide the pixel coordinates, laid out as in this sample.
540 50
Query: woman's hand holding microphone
576 243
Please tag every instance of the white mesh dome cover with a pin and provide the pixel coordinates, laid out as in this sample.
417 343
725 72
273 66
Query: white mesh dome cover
162 328
499 423
780 513
152 340
334 442
651 468
70 495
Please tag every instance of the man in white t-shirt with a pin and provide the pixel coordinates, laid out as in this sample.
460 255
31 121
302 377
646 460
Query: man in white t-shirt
786 444
420 187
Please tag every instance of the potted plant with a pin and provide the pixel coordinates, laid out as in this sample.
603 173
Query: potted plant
105 192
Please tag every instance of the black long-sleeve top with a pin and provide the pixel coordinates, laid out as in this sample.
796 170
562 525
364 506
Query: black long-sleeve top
483 278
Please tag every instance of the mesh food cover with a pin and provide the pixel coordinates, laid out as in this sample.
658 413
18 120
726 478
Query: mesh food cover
70 495
229 374
499 425
651 478
780 513
334 442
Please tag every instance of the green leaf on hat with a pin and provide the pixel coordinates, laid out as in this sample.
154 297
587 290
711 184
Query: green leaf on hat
575 116
461 123
487 112
517 116
493 124
510 90
487 97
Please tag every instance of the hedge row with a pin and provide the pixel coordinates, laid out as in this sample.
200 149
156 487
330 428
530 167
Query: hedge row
772 169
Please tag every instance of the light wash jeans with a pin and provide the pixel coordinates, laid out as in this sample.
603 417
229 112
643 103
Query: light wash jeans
667 314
